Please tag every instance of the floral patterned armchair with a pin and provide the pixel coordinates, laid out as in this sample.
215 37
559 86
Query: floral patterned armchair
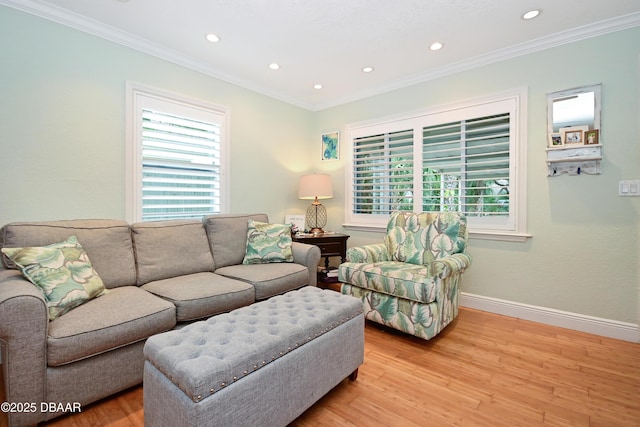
411 282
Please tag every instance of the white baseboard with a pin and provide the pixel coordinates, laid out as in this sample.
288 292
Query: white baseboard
579 322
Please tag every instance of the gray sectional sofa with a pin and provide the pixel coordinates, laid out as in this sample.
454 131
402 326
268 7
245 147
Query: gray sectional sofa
160 276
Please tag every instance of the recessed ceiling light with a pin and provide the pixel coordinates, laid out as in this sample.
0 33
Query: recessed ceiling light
531 14
274 66
367 69
212 38
317 86
436 46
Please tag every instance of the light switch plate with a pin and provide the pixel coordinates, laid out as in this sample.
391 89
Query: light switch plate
629 188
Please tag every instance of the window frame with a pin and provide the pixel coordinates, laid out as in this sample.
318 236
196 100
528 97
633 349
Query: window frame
135 95
513 101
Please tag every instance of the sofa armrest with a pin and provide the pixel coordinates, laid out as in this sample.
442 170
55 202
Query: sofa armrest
24 323
455 263
368 253
309 256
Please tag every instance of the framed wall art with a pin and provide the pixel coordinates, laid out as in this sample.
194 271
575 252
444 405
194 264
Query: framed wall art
330 145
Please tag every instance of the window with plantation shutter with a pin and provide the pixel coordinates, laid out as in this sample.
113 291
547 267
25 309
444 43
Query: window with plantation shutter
382 171
177 159
466 166
467 158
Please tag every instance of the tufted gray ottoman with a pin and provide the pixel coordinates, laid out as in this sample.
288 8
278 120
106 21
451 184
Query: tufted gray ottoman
260 365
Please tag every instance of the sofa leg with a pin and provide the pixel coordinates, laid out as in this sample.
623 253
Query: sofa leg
353 375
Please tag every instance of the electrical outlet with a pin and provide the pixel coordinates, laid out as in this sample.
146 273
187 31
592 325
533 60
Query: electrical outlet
629 188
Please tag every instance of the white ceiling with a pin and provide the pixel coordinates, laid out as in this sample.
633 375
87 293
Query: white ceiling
329 41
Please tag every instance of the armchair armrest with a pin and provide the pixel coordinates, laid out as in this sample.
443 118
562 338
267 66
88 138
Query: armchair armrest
368 253
451 264
24 323
309 256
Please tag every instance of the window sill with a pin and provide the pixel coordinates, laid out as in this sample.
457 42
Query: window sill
480 235
370 228
500 236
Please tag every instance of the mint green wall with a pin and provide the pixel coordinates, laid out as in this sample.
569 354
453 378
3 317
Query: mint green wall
62 100
62 123
584 254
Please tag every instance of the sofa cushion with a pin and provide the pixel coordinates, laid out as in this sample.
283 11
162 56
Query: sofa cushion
62 271
224 233
202 295
106 242
404 280
268 279
268 243
166 249
123 316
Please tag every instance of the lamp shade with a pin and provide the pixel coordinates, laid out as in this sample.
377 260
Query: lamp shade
314 186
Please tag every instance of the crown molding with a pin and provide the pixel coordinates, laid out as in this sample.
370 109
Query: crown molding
558 39
87 25
107 32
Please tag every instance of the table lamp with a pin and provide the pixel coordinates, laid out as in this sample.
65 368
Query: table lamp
315 187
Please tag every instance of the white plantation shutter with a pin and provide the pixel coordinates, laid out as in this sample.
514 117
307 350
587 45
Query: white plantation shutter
180 166
466 166
178 157
467 158
382 171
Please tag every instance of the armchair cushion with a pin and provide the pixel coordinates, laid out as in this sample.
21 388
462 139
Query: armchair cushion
408 281
419 238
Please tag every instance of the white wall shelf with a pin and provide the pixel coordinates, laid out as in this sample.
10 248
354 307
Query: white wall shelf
574 160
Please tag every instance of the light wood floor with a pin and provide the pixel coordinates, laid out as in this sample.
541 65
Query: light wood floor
483 370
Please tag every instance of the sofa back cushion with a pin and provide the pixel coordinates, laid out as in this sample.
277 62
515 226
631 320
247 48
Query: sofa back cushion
165 249
419 238
106 242
228 236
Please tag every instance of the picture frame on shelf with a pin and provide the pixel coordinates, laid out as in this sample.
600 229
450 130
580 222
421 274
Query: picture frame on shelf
331 145
573 135
555 140
297 222
592 137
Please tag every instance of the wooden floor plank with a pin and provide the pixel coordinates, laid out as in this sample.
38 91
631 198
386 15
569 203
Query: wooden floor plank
483 370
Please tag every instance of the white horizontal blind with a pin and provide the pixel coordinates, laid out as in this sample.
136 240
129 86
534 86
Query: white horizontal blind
181 166
466 166
383 173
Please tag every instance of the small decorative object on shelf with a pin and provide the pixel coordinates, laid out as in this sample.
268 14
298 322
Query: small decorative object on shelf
555 140
591 137
574 145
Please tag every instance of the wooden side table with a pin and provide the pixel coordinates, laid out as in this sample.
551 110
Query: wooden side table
330 244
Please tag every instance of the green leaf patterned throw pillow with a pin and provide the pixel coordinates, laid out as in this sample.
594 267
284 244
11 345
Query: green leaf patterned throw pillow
62 271
268 243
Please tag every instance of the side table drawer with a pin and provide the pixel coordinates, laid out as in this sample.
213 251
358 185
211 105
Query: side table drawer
329 248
